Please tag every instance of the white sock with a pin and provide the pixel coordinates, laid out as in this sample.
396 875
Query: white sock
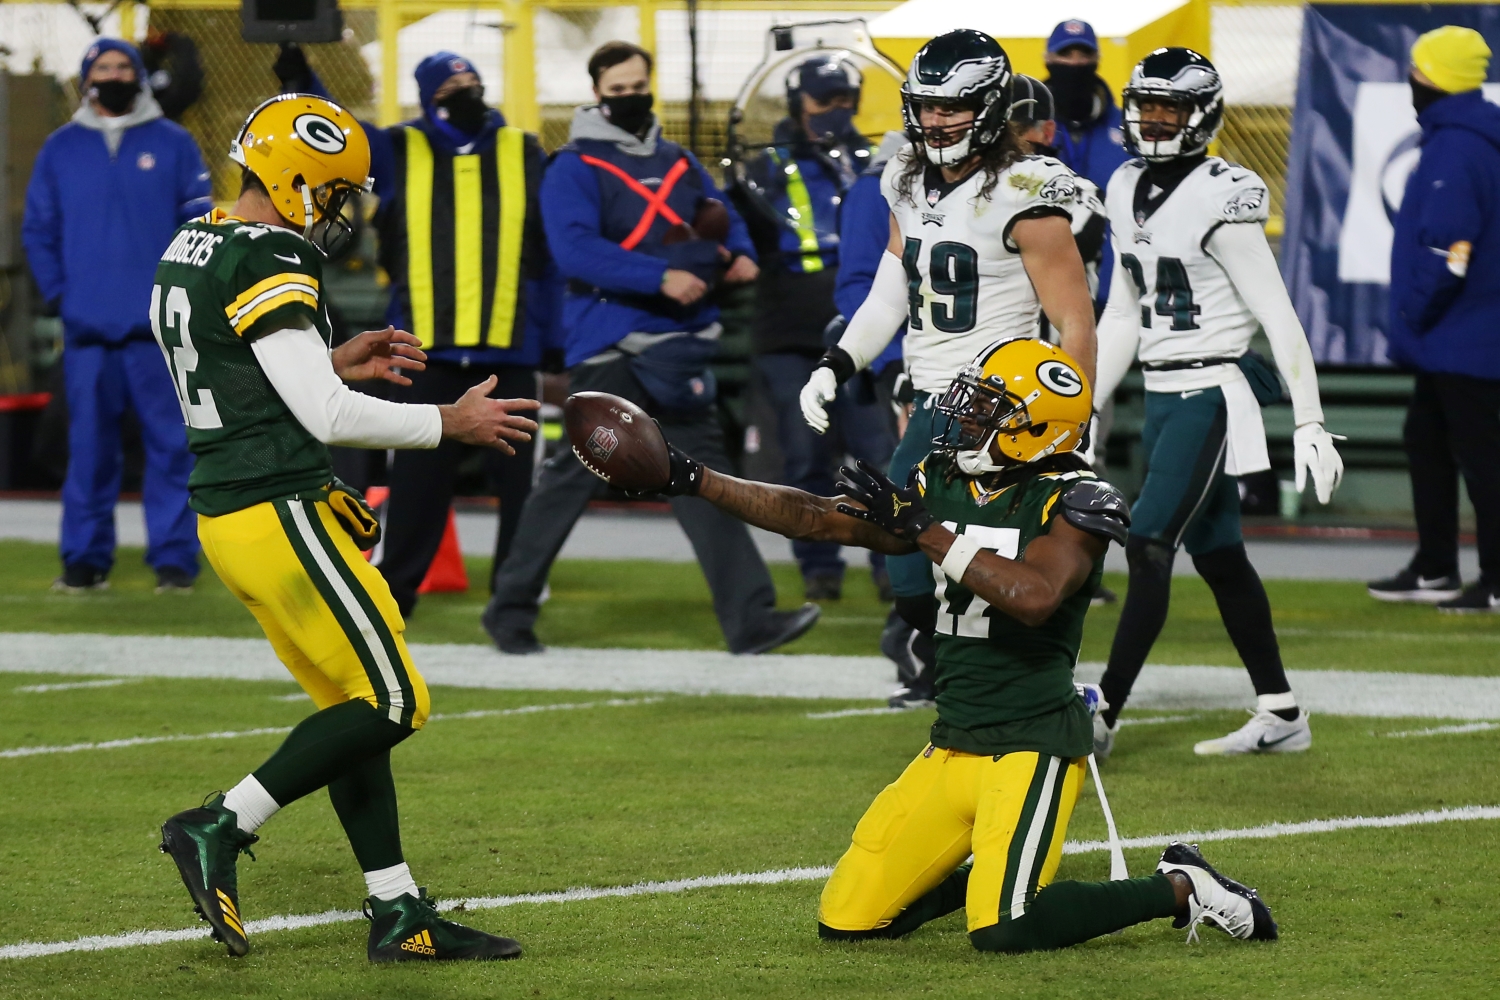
251 804
388 883
1275 702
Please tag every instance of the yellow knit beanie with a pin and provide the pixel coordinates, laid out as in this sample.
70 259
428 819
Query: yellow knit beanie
1454 59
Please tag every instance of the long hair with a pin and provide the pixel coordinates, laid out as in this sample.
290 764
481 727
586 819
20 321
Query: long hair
992 161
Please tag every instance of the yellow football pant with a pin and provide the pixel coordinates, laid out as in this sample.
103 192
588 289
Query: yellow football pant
328 613
1011 813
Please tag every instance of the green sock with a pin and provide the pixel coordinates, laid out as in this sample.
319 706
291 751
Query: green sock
365 800
1066 913
326 746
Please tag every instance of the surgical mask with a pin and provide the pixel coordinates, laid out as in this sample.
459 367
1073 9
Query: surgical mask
1422 95
835 123
464 109
116 96
1072 87
631 112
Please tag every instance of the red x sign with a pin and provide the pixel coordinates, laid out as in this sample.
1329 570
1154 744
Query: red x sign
656 201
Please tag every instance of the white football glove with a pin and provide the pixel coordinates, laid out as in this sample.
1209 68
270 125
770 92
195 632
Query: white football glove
1314 452
821 388
1088 454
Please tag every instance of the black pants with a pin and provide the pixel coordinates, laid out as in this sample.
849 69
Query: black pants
422 480
742 589
1452 427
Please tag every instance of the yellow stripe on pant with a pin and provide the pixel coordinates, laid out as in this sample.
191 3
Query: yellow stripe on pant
328 613
1011 814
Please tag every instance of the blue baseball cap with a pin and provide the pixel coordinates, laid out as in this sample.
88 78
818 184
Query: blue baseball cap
1070 33
823 77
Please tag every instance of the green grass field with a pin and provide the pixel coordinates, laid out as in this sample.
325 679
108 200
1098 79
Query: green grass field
682 787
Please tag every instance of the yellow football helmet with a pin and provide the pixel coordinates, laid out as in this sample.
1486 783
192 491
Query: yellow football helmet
1026 394
311 155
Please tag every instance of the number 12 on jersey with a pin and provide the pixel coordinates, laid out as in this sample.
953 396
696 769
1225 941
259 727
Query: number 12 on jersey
170 319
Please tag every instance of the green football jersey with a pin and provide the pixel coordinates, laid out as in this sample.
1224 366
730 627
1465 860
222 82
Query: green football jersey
1004 686
221 284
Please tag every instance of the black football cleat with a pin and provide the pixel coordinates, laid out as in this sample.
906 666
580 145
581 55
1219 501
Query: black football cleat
1217 900
206 843
408 929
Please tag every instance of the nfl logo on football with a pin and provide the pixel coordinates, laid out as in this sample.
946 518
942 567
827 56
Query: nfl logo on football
602 443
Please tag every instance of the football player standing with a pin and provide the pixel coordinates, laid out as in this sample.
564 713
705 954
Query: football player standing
239 313
981 244
1195 278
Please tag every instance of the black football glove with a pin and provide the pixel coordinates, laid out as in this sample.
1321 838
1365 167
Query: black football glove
684 473
889 507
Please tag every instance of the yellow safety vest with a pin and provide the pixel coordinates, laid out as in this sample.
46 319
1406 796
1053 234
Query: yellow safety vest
801 212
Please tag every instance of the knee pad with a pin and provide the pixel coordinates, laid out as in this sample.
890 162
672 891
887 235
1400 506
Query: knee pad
918 612
1149 558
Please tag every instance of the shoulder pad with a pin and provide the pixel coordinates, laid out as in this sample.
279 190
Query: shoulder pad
1096 507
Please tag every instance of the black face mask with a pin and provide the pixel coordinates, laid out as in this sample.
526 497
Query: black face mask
116 95
1072 87
1422 95
631 112
465 109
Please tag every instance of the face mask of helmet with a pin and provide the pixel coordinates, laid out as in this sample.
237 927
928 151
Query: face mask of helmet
974 413
464 109
831 125
631 112
331 211
1162 136
948 145
1072 87
116 96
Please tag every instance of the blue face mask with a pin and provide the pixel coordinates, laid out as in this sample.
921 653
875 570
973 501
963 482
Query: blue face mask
835 123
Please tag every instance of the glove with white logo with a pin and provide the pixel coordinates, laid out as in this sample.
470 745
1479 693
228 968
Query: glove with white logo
1315 453
822 386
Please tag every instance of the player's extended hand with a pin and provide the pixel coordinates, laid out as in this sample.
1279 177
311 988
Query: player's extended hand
379 354
742 271
821 388
901 512
491 423
1313 451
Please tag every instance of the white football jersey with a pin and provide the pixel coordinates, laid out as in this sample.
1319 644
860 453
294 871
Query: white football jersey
1189 308
968 287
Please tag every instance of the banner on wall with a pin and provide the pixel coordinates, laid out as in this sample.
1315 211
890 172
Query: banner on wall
1354 143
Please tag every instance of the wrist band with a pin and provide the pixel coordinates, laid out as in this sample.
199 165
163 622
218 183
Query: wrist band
960 554
838 361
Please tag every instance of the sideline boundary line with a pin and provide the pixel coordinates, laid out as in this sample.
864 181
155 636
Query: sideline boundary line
136 939
483 713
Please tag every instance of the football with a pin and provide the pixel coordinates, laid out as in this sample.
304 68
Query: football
617 441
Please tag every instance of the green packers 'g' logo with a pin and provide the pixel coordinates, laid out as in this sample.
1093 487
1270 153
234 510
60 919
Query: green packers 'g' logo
1059 378
319 133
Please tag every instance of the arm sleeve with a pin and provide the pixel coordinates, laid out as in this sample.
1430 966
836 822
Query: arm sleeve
41 230
570 213
194 188
739 241
1119 336
878 318
1241 249
1453 215
295 361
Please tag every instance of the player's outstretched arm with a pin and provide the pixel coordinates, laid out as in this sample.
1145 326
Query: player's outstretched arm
795 514
1050 255
379 355
490 423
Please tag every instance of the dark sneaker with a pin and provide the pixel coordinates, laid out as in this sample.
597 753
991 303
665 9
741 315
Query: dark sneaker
778 628
1103 596
1217 900
79 579
205 843
1477 599
408 929
516 638
174 580
1408 587
823 587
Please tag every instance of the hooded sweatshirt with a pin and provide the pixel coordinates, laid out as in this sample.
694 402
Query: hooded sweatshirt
611 287
105 196
1445 250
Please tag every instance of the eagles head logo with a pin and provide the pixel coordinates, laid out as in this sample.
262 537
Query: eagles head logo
602 443
1246 206
1060 190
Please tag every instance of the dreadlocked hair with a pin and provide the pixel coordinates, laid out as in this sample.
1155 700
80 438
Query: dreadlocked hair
993 161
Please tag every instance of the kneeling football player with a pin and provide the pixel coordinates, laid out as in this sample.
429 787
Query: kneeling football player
1016 527
239 314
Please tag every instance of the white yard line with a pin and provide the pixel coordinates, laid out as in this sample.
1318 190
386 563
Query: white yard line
848 713
1472 727
1155 720
483 713
75 686
1379 635
135 939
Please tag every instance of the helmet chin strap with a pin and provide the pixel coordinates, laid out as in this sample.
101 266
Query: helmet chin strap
978 461
307 213
949 156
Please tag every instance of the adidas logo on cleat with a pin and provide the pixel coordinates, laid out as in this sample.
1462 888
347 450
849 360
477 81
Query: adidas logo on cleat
419 943
230 914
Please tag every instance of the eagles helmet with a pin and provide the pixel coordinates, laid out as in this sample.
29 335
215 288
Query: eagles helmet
965 69
311 156
1191 83
1030 396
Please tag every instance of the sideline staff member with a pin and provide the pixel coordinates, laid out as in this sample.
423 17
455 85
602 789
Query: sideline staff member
617 201
462 239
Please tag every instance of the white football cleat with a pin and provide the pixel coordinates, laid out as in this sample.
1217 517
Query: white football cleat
1217 900
1266 732
1104 738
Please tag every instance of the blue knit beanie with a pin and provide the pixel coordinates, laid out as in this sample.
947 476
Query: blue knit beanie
103 45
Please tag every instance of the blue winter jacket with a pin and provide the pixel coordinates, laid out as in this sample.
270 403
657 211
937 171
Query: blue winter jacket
583 207
1095 154
97 222
864 232
1442 321
826 175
